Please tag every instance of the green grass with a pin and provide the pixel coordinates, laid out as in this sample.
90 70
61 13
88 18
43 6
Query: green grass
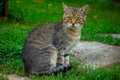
83 74
102 18
3 77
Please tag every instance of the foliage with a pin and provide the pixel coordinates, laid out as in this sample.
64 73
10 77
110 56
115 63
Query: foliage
83 74
3 77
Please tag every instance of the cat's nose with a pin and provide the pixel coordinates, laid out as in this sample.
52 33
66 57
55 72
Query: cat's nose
73 25
73 21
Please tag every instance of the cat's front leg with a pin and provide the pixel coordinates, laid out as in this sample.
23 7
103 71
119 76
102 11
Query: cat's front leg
61 61
66 62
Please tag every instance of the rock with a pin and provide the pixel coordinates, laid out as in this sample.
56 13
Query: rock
96 54
112 35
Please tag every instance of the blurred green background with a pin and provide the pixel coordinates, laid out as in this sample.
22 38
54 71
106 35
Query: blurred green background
23 15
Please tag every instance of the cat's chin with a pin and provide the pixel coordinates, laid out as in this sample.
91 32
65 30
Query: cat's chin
76 26
73 27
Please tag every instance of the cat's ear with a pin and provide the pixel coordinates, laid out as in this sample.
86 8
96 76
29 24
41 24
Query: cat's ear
85 9
65 7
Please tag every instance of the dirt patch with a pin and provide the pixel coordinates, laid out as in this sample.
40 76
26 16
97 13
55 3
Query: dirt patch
16 77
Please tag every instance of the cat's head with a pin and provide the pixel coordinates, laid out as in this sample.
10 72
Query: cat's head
74 17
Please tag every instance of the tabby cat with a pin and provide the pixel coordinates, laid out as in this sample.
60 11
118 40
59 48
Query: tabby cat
46 48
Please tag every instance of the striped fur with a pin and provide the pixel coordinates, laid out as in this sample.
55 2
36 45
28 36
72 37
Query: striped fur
46 48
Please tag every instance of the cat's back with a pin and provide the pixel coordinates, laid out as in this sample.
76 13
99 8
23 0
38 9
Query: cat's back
41 36
42 33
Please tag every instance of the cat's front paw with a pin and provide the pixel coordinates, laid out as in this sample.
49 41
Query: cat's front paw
63 68
68 67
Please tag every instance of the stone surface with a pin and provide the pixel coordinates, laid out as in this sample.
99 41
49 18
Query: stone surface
16 77
96 54
112 35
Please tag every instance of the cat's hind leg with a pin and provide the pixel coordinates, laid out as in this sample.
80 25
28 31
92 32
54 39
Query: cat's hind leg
53 62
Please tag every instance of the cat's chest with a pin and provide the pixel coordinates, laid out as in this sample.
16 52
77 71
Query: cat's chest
66 38
73 35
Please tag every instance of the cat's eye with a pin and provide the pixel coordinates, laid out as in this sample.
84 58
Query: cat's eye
68 17
78 18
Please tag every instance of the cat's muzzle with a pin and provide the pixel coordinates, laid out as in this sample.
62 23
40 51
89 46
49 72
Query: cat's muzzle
73 25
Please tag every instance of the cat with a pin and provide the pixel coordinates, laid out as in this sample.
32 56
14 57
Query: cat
46 48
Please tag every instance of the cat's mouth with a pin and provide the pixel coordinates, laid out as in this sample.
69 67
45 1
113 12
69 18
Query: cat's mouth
75 26
72 26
